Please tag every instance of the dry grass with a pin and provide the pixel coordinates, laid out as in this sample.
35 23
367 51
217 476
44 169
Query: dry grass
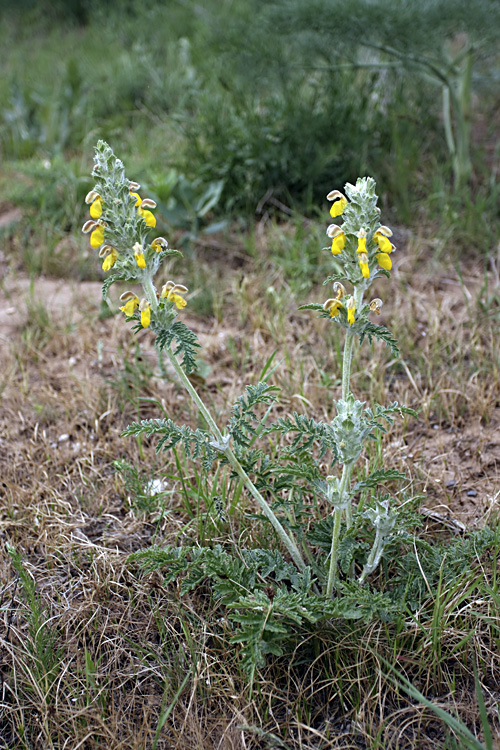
111 649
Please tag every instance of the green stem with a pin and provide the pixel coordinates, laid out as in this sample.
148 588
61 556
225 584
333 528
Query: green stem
348 346
287 540
332 573
346 378
346 364
337 517
150 291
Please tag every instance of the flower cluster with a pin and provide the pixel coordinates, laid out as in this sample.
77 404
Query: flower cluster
363 246
335 304
368 246
120 220
100 225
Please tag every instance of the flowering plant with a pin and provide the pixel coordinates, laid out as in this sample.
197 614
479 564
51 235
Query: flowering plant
326 551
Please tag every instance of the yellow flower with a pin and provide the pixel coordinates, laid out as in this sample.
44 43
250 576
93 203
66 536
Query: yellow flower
339 203
145 310
148 217
381 238
361 241
339 289
384 261
338 238
139 255
334 306
351 309
376 305
97 237
142 206
131 302
110 256
159 244
363 264
172 292
96 208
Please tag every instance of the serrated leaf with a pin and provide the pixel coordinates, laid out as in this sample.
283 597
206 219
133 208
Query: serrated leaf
383 475
382 334
335 277
186 344
109 281
313 306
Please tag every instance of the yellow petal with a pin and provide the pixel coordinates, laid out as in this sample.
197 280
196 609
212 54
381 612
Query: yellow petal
365 270
384 261
97 238
139 259
96 208
148 217
351 309
110 260
129 306
178 301
337 208
138 199
384 244
361 245
146 317
335 309
338 243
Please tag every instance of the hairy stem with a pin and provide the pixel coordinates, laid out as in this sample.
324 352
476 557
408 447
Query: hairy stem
337 518
150 292
287 540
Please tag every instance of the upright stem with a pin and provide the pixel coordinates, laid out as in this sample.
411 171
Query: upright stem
348 346
148 286
287 540
337 518
346 364
347 468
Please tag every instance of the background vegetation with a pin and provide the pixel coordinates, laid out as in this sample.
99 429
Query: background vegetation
238 116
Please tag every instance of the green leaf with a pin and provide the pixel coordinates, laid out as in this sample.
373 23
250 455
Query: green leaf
240 425
109 280
335 277
371 331
186 343
383 475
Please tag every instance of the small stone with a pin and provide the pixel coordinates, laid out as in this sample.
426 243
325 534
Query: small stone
452 483
472 493
63 438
